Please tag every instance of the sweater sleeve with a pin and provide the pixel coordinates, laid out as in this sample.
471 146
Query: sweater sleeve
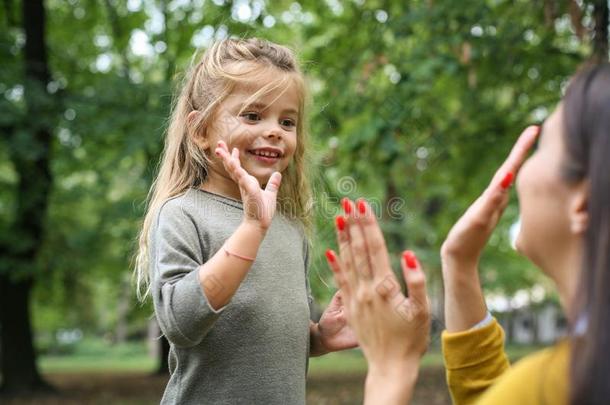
474 360
306 260
181 307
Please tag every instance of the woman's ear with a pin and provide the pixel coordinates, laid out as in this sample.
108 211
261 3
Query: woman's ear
199 138
578 210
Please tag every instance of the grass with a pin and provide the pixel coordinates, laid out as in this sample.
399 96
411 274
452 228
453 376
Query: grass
97 356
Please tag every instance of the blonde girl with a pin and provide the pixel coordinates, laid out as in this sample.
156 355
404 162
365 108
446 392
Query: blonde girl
228 277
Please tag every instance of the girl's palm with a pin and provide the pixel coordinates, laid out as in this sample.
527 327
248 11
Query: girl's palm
259 204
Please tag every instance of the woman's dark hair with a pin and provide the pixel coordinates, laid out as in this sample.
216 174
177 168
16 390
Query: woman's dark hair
586 114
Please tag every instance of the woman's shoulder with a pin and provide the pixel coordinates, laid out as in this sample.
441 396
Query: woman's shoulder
539 378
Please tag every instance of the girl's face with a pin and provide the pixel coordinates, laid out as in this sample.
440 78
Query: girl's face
264 131
553 211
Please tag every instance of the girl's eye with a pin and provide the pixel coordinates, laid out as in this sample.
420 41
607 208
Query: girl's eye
251 116
288 123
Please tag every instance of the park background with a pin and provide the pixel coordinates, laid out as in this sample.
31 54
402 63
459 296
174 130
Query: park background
414 104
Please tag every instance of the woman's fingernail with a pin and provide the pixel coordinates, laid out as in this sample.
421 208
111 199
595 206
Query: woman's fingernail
410 259
340 221
347 205
507 181
330 255
361 206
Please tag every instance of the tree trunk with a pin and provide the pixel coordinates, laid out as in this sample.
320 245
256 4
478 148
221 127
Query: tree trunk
19 372
600 36
29 151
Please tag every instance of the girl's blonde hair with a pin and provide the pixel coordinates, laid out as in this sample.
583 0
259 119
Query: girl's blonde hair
204 87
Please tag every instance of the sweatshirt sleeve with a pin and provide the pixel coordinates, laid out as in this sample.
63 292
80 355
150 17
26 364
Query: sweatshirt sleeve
181 307
474 360
306 260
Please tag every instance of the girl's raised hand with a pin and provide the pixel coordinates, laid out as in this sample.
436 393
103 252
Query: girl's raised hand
259 204
392 330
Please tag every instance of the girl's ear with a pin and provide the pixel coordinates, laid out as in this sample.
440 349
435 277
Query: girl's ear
199 138
578 211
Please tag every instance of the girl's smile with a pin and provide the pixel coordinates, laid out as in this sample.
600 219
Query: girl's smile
263 129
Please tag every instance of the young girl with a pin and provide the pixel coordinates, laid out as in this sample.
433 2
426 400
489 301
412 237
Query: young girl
227 276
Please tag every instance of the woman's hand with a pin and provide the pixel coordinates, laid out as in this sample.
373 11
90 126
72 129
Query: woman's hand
461 250
259 204
392 330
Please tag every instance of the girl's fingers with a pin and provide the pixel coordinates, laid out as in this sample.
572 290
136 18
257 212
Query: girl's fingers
415 279
373 238
273 184
222 145
231 162
360 254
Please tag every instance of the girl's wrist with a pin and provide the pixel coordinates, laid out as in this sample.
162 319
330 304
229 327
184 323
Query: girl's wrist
255 226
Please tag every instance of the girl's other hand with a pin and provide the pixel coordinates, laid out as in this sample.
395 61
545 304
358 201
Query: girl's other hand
335 333
259 204
392 330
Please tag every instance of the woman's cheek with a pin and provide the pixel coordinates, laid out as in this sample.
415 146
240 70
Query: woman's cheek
522 185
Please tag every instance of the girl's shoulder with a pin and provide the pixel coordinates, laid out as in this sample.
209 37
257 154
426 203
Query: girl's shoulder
171 211
195 201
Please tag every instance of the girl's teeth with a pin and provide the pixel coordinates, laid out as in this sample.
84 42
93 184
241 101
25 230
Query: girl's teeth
266 154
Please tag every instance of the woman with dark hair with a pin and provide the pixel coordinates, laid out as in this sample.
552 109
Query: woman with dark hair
564 197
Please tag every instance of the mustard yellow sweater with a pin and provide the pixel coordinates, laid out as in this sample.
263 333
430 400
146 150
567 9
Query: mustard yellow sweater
478 371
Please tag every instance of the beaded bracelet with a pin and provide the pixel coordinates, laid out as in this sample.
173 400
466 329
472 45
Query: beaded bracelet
228 253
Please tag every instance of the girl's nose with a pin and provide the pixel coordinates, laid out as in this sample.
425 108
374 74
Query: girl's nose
273 132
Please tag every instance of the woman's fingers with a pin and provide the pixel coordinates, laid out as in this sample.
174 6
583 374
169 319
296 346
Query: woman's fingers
495 199
373 238
508 171
414 278
360 253
345 252
338 272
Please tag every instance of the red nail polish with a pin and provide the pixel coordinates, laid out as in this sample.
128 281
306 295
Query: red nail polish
507 181
330 255
361 206
340 221
347 206
410 259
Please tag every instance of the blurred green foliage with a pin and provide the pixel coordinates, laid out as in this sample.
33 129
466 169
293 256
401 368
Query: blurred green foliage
414 105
